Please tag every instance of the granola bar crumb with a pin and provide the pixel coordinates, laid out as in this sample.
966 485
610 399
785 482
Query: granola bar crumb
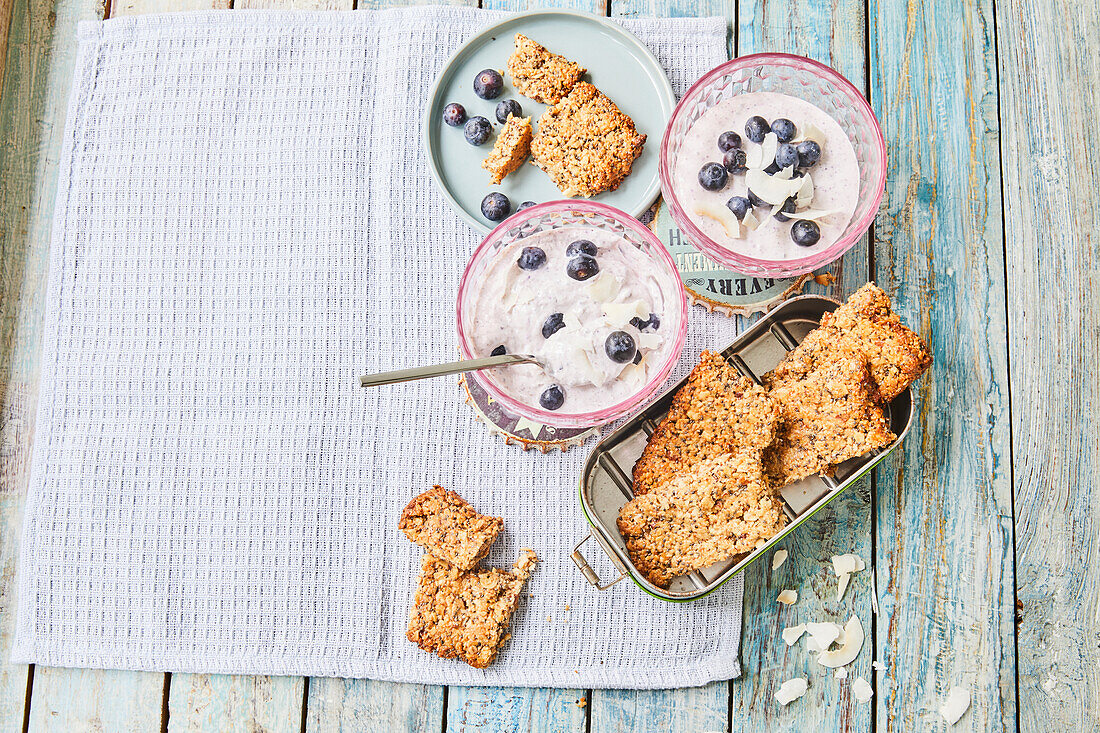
717 508
717 411
585 143
828 416
448 528
464 614
511 148
539 74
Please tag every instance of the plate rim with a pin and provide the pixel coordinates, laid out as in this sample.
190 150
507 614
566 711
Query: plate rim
653 190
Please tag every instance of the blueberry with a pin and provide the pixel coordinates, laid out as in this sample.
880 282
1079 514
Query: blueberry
553 323
531 258
477 130
581 247
805 233
772 169
728 141
496 206
582 268
756 127
756 200
809 153
638 358
552 397
499 351
652 323
786 155
796 173
488 84
713 176
783 129
508 107
736 161
454 114
788 207
620 347
740 206
526 205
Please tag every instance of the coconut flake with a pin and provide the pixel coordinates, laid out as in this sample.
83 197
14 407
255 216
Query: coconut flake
619 313
771 189
841 673
810 132
788 597
861 690
792 634
844 566
778 558
603 289
956 705
824 634
849 646
813 214
750 221
791 690
723 216
768 149
878 665
785 174
805 195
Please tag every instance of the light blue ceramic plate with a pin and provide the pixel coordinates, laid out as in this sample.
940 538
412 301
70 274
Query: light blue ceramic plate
618 64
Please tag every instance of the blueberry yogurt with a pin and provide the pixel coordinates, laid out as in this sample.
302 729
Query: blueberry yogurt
792 180
587 304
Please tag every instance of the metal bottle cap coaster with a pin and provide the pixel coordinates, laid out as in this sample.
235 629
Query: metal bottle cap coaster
709 284
515 430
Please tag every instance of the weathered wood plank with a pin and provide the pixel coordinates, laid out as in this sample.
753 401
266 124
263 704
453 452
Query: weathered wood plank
1049 104
95 700
832 33
347 706
39 58
296 4
487 709
206 702
944 509
120 8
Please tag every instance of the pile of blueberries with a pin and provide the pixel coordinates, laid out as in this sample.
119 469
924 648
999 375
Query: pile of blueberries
582 265
488 84
803 156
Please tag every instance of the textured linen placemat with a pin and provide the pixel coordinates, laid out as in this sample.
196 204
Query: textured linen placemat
245 222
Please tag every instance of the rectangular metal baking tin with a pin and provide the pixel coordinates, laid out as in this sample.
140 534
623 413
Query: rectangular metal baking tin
605 483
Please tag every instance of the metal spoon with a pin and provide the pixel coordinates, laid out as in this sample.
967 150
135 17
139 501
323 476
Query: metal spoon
438 370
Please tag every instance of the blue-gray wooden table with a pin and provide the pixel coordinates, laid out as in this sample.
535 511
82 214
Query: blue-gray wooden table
983 533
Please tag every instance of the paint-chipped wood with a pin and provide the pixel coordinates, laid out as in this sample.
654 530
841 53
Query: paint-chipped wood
349 706
295 4
944 508
487 709
120 8
203 702
38 62
1049 85
95 701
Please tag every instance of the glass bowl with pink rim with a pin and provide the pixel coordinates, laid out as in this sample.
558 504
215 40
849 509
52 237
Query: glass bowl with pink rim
810 81
556 215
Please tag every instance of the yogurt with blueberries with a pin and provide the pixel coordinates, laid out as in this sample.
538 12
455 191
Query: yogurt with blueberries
586 303
768 175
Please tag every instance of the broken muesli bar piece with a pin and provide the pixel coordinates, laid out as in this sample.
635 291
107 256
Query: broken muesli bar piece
511 148
828 416
447 527
865 327
585 144
717 508
716 411
464 614
543 76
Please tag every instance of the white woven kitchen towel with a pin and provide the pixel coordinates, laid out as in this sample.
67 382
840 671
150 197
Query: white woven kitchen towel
245 222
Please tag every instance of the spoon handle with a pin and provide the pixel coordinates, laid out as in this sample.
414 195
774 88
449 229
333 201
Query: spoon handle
438 370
